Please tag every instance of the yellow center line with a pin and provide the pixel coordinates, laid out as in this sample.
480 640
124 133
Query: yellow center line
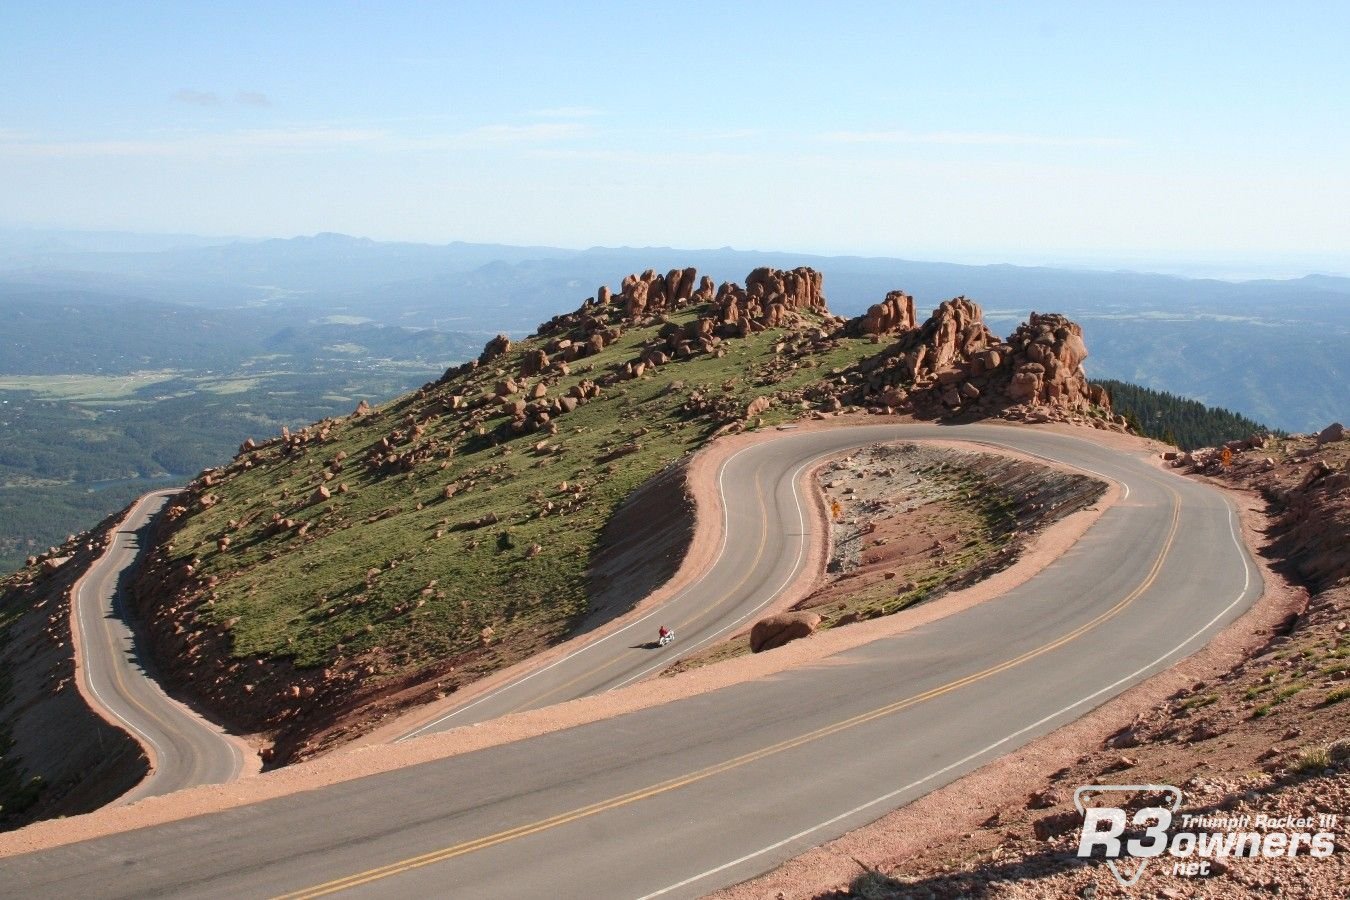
112 643
759 553
521 831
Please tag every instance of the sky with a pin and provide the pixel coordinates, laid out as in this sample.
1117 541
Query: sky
1021 132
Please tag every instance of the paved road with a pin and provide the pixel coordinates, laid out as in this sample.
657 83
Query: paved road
752 568
758 486
678 800
185 750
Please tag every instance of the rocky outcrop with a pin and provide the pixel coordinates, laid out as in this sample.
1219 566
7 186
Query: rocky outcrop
651 294
892 315
496 347
798 289
534 362
1047 362
770 299
953 364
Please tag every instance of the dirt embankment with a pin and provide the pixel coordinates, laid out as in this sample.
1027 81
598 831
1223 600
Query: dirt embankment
913 522
57 756
639 549
1254 724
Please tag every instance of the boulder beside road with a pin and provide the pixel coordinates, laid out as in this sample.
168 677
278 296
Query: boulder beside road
775 631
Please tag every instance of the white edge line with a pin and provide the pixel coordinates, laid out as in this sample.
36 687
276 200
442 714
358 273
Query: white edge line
801 548
726 527
796 567
721 473
87 670
1246 583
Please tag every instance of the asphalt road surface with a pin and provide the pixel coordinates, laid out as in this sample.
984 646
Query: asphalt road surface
185 749
681 799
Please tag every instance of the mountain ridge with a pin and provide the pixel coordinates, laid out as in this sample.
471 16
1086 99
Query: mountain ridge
408 548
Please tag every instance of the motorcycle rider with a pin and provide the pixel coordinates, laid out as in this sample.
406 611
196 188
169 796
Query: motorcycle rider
664 634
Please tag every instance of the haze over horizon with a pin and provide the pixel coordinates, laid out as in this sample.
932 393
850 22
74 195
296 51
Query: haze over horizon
1207 139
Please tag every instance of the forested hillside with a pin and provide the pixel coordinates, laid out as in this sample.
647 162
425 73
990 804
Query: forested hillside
1178 421
104 397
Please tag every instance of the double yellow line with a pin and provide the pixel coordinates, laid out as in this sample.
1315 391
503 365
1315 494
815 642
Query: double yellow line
596 670
520 831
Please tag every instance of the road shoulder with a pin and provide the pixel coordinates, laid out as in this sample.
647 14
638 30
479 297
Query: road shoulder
940 820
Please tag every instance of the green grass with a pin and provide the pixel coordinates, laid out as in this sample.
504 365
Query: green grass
1199 702
1288 691
353 585
1337 695
227 386
1280 696
1311 760
86 388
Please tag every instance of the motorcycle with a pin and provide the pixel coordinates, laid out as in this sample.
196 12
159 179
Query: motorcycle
665 639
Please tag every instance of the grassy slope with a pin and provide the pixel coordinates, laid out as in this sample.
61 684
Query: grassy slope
314 598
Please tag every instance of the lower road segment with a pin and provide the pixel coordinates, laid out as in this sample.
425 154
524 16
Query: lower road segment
677 800
185 750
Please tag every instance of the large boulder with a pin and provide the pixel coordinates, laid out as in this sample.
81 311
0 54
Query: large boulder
894 314
1332 433
798 289
494 348
775 631
1051 347
533 363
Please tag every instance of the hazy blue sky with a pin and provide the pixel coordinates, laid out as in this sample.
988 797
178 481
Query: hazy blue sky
944 130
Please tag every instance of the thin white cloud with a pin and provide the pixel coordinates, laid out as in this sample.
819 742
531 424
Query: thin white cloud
195 98
663 159
309 139
728 134
966 138
197 145
252 98
522 134
568 112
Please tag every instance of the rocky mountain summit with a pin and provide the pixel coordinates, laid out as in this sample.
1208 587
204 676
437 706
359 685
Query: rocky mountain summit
949 365
330 576
953 363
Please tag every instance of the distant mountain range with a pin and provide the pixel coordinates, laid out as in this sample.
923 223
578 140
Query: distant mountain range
1273 350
